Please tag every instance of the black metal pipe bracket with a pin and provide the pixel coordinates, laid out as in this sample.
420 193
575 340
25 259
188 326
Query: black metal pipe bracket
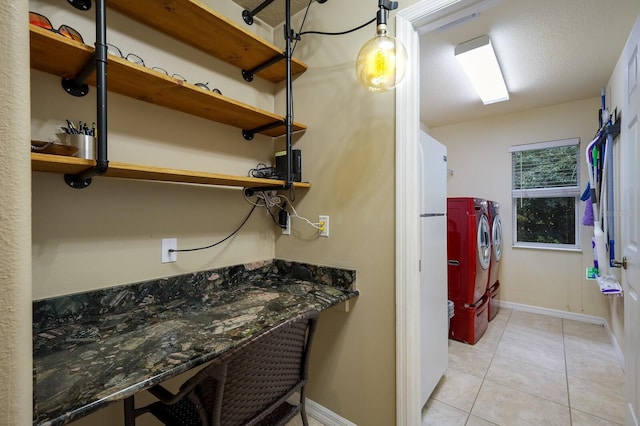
247 15
83 179
248 74
249 134
77 86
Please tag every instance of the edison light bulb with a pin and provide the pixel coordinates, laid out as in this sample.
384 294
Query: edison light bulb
381 62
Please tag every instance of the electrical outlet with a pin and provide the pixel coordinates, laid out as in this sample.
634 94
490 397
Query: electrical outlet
287 230
324 226
169 244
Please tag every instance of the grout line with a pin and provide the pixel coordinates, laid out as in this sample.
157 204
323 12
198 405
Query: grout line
566 371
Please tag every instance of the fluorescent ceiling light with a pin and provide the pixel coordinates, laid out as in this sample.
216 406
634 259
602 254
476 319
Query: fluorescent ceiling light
479 62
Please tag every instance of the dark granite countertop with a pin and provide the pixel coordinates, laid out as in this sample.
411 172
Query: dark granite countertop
93 348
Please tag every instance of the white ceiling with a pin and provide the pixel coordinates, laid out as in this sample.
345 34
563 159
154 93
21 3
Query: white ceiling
550 51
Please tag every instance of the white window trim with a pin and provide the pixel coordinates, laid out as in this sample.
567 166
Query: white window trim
544 145
567 191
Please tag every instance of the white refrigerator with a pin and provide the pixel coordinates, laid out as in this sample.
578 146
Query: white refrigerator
434 312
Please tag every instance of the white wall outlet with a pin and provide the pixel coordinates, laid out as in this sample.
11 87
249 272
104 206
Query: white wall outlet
324 226
169 244
287 230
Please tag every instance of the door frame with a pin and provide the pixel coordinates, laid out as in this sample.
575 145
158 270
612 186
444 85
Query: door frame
408 409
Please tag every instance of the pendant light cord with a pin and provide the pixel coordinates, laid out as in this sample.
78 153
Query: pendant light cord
341 32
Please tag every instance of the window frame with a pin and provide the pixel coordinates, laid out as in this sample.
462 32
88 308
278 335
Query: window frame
555 192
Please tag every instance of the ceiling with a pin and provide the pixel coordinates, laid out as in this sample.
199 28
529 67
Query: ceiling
550 52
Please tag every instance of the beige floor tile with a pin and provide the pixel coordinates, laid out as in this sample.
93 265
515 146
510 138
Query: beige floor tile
477 421
436 413
532 353
489 341
578 418
597 399
506 406
538 321
457 389
529 378
546 337
468 359
595 367
584 344
297 421
593 332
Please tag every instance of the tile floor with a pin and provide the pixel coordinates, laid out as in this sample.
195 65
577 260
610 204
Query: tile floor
530 369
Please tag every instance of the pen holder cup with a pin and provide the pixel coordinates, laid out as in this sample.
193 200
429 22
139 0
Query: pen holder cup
86 145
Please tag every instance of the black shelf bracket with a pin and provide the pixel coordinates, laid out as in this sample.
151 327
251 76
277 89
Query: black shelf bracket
248 74
77 86
250 192
247 15
249 134
99 64
80 4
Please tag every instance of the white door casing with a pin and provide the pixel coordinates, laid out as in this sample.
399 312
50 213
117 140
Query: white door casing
630 212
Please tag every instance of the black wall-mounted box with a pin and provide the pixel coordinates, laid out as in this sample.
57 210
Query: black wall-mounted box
296 165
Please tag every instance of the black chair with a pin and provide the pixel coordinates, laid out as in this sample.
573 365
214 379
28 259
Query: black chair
249 385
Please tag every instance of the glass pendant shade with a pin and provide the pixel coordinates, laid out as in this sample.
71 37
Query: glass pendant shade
381 63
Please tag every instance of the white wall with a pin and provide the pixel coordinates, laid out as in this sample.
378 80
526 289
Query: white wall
477 153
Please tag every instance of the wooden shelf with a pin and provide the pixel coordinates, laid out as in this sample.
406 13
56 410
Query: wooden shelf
71 165
195 24
64 57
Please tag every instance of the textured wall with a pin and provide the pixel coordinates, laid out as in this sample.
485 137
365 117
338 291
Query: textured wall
15 218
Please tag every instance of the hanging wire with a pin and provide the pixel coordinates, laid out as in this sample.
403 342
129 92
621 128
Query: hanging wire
221 241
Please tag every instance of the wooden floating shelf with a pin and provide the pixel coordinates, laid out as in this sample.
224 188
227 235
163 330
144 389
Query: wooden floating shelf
203 28
71 165
65 58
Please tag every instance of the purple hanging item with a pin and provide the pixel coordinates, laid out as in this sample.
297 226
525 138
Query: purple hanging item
587 219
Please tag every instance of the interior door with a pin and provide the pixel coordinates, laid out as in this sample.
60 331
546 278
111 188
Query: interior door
630 231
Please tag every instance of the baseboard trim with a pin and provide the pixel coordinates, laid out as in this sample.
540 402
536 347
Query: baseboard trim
326 416
616 346
591 319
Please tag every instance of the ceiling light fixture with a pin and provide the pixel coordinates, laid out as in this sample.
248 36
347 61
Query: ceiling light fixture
480 64
381 63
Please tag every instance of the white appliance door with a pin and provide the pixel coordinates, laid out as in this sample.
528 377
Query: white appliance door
434 175
434 312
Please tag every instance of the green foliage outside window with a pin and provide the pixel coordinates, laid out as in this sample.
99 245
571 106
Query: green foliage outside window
545 190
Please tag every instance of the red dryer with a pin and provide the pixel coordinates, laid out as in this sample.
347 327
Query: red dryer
493 285
469 257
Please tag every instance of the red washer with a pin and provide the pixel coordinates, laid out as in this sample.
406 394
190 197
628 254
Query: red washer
493 285
469 258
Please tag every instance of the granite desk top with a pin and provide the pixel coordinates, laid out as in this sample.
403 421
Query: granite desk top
94 348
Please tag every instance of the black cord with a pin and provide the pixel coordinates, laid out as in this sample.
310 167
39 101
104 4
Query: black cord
224 239
342 32
293 49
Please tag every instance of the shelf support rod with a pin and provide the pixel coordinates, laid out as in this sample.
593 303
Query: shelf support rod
248 74
248 15
83 179
289 36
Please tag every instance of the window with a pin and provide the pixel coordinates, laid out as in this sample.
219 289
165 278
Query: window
546 194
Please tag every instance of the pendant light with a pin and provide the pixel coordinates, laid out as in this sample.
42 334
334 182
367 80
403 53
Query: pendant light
381 63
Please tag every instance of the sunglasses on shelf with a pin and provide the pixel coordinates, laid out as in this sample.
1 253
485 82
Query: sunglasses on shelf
43 22
206 87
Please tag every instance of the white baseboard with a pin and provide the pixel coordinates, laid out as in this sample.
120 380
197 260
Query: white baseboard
591 319
616 346
326 416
